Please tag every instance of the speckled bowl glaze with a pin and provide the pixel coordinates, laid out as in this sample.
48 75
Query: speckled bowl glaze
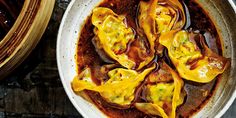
222 13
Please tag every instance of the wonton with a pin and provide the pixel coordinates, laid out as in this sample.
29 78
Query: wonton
115 37
163 93
119 89
190 62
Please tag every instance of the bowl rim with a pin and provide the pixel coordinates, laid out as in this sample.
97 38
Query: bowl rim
67 90
81 111
232 98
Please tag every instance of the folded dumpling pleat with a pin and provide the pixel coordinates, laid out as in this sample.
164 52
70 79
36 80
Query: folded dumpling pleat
163 93
117 39
119 89
113 34
156 17
191 62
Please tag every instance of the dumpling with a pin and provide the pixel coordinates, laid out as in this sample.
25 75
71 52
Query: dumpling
115 38
119 89
156 17
113 34
163 93
191 62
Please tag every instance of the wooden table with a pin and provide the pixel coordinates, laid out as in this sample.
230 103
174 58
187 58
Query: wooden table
35 89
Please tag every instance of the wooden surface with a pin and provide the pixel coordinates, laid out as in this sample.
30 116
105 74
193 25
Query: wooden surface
35 90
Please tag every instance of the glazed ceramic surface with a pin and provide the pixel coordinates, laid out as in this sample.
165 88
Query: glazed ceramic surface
222 13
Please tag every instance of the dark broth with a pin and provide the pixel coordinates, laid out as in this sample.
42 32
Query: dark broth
197 94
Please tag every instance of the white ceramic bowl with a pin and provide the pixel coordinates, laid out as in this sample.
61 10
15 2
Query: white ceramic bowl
74 18
72 22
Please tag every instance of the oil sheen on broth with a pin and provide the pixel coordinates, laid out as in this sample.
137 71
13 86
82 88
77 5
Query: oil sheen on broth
197 94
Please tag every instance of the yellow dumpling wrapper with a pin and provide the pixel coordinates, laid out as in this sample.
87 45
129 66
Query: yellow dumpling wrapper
155 19
113 34
114 37
182 50
119 89
163 93
146 19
